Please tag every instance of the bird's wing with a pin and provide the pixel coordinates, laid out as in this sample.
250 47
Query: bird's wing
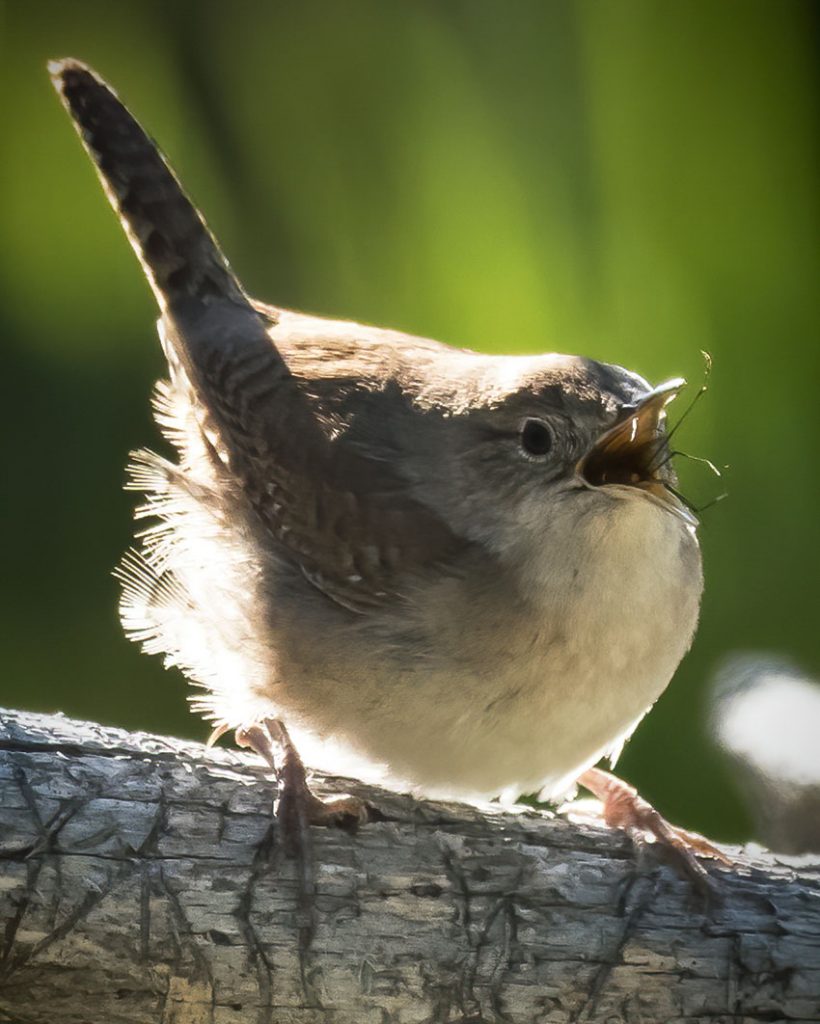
346 519
340 510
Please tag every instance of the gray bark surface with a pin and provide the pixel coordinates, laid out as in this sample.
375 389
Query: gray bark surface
142 880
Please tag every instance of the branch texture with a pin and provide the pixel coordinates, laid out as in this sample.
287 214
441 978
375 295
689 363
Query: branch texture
142 880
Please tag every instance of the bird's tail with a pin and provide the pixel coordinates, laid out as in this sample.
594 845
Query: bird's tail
177 251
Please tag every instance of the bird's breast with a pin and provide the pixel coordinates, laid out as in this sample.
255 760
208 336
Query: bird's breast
520 680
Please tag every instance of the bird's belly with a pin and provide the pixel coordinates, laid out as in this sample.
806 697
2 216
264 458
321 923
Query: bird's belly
525 701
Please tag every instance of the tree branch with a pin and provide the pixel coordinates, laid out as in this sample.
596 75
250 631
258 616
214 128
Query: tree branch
141 880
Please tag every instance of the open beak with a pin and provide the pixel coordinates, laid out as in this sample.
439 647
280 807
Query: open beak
634 453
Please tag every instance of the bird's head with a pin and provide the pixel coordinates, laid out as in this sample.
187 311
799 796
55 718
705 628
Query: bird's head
534 436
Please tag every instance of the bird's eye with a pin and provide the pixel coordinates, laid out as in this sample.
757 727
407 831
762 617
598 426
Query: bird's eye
536 438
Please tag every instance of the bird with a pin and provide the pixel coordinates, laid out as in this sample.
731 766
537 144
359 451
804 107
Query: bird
765 718
471 573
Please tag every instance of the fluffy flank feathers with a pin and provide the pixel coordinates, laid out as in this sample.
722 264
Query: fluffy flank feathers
192 590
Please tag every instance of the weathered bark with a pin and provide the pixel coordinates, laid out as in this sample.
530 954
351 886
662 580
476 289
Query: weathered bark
141 880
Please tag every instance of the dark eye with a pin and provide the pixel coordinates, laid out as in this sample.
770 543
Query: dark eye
536 437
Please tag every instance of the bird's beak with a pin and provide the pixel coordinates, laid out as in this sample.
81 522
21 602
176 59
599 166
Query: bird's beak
634 453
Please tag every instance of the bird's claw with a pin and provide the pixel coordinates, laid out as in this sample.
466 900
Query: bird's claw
624 808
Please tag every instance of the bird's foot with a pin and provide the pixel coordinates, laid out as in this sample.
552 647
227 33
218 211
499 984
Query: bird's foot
297 806
625 808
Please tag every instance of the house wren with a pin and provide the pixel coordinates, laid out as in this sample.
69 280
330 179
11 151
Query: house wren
469 570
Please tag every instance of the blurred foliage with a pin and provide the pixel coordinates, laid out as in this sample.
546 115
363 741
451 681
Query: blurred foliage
635 181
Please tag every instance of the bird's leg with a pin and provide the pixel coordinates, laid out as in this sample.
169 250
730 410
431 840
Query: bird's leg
624 808
298 807
297 803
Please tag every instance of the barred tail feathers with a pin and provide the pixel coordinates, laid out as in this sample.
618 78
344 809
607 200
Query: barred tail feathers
178 253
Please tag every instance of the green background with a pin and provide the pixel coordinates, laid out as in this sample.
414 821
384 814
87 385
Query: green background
634 181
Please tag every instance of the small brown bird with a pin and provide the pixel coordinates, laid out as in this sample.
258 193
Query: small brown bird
471 571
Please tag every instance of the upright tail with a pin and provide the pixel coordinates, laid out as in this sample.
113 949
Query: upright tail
177 251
